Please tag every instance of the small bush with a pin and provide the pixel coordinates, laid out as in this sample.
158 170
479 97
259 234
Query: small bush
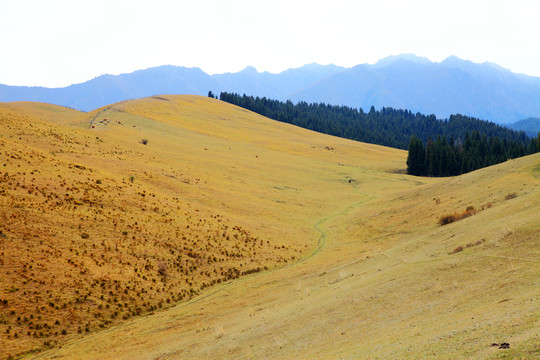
510 196
162 269
450 218
447 219
468 212
456 250
144 141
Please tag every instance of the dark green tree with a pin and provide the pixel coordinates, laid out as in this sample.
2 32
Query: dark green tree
417 157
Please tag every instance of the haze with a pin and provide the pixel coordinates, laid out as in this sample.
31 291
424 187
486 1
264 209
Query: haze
57 43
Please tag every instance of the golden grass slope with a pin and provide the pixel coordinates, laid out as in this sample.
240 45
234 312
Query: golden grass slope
368 272
387 285
98 227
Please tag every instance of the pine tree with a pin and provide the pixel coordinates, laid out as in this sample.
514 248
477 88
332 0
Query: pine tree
416 158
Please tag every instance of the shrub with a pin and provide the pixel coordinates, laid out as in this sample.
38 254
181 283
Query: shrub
162 269
510 196
458 249
144 141
450 218
469 211
447 219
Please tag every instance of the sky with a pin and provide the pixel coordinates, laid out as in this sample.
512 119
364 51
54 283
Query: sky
56 43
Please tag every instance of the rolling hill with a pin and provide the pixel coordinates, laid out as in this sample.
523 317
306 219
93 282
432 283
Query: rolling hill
485 91
179 227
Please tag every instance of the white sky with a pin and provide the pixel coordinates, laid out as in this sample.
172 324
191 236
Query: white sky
56 43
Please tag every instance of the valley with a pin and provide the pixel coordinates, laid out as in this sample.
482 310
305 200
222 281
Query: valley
178 227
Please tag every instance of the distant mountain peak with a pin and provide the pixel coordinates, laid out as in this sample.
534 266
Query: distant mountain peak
389 60
249 70
454 60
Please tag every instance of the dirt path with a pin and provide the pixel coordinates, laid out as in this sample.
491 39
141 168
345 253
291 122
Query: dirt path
324 234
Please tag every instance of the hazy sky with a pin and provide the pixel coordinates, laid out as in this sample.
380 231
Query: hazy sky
57 43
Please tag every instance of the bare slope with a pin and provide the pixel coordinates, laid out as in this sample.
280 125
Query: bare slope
368 271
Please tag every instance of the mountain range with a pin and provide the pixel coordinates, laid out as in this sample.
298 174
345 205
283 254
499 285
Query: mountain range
485 91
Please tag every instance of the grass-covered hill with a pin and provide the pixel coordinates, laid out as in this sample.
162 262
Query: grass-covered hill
183 227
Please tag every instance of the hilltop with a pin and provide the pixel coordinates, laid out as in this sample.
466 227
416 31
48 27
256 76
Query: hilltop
185 227
453 86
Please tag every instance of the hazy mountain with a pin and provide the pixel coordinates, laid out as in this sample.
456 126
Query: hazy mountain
486 91
531 126
108 89
276 86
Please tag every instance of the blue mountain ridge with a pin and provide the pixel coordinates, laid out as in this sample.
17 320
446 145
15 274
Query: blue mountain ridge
485 91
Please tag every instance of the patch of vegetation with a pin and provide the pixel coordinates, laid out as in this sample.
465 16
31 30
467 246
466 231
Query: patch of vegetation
455 156
450 218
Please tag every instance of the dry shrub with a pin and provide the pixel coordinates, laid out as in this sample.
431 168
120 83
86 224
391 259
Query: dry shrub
487 206
479 242
456 250
447 219
450 218
162 269
468 212
510 196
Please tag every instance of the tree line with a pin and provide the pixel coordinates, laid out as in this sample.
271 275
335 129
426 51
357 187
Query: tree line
461 144
449 157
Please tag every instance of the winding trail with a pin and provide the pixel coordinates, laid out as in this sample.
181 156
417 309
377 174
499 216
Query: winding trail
320 246
324 234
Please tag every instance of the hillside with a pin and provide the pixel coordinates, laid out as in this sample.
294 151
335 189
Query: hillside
453 86
337 253
99 228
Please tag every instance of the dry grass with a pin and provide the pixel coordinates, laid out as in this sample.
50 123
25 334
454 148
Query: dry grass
381 283
85 245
